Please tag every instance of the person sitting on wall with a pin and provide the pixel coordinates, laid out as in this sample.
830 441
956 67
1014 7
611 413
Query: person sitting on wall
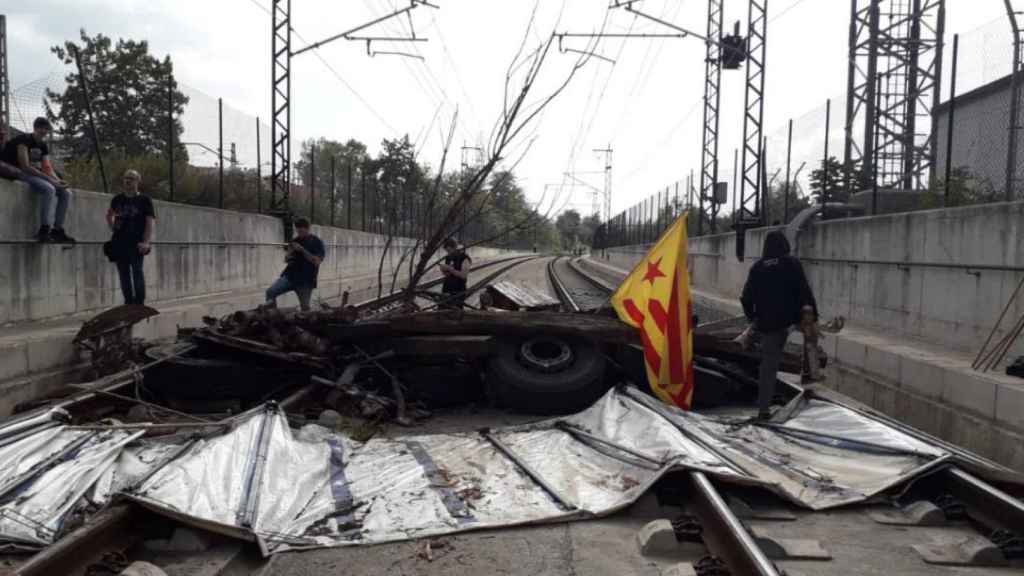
132 218
456 273
7 171
25 152
305 253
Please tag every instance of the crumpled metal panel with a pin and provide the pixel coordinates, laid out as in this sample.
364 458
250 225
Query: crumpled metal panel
523 295
33 512
133 464
814 472
822 416
208 481
315 488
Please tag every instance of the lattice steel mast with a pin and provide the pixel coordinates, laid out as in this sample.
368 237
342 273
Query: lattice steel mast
281 89
5 81
712 104
753 116
894 76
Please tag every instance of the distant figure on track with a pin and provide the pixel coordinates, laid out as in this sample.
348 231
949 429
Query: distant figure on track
305 253
26 152
132 218
456 273
773 300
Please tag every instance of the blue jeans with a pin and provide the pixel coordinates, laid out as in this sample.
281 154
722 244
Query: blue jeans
133 283
53 204
283 285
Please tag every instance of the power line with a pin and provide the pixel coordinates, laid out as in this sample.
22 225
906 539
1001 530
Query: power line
336 74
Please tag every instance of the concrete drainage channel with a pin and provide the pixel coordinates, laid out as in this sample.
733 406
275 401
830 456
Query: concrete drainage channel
347 393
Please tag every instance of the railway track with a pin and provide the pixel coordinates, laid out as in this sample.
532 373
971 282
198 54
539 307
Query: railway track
727 538
577 290
723 533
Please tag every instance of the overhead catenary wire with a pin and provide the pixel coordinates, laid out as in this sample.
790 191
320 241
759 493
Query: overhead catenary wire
336 74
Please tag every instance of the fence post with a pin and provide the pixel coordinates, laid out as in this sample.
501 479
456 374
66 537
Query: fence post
170 136
333 191
789 155
949 121
362 185
259 171
348 189
220 152
825 188
735 189
312 183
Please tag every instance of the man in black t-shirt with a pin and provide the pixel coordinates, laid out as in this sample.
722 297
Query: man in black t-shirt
456 273
26 152
305 253
132 218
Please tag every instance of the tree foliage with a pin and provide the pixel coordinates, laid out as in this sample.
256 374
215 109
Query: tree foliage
128 89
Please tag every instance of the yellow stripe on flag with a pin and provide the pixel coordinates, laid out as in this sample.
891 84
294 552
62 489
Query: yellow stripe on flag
655 298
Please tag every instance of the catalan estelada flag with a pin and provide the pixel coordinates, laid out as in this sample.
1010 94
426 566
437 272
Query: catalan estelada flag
655 298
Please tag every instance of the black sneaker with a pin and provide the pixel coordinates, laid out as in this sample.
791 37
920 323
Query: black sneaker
43 236
58 235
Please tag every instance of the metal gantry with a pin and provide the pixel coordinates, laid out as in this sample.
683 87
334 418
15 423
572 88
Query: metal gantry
280 106
712 103
281 89
753 115
895 71
1015 12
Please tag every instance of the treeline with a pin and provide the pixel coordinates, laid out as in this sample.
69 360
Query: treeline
137 106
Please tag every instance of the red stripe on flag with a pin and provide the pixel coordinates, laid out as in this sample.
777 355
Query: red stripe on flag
650 354
658 313
634 313
676 351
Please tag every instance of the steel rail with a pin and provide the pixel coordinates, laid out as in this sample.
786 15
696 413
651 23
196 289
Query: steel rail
993 505
560 290
397 295
724 534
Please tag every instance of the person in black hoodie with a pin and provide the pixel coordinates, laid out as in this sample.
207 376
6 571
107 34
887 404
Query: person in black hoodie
773 297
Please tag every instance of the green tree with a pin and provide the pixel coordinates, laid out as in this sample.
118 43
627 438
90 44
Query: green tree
839 182
964 189
128 90
568 225
351 153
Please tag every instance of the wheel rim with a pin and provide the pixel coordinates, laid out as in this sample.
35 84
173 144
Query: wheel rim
545 354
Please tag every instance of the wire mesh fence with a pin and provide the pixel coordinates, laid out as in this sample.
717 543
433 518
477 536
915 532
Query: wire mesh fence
804 159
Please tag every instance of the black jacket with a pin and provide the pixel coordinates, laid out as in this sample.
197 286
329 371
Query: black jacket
775 291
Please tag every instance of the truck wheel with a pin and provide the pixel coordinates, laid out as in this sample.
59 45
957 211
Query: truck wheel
546 374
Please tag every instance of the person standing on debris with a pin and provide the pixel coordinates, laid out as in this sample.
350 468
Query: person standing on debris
773 299
23 152
456 273
132 218
305 253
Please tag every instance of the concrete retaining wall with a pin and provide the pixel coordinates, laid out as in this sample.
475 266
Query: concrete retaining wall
920 292
198 252
875 270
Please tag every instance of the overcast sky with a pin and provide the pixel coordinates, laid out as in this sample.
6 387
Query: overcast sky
646 105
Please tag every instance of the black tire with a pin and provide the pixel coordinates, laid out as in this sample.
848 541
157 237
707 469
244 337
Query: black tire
564 389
